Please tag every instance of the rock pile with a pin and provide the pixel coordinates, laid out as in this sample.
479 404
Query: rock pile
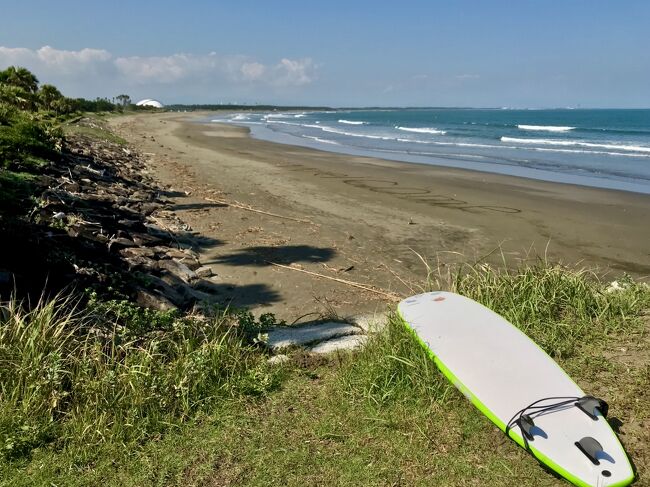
100 222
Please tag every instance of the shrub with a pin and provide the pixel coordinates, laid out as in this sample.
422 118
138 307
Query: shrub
24 141
71 380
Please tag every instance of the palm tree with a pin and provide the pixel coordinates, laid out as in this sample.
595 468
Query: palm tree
16 97
123 100
20 77
47 95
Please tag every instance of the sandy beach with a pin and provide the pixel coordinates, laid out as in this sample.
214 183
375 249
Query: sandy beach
365 220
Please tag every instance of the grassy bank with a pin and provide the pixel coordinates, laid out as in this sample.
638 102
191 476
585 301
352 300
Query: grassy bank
165 400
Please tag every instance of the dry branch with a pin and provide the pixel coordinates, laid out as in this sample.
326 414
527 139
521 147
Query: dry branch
249 208
392 296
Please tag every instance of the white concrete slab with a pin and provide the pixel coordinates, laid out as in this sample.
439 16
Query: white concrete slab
349 342
283 337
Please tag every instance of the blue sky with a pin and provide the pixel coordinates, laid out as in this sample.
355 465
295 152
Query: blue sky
426 53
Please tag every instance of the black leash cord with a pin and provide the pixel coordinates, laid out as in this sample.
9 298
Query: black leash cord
536 408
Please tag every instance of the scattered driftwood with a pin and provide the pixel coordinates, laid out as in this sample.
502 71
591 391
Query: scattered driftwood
249 208
366 287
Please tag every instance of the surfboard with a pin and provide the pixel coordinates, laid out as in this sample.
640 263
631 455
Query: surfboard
520 388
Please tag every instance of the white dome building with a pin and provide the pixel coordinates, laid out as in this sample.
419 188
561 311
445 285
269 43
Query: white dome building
148 102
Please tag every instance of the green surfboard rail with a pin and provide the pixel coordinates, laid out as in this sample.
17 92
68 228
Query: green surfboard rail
513 435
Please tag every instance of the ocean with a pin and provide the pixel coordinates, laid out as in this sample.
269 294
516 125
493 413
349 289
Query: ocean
605 148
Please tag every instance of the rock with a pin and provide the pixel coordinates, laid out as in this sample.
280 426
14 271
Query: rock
209 285
72 187
120 242
149 208
131 224
179 269
204 271
182 254
164 288
157 301
140 262
137 252
349 342
194 295
129 210
145 239
283 337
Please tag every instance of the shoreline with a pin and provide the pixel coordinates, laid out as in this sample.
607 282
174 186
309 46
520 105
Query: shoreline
375 215
370 154
534 174
576 167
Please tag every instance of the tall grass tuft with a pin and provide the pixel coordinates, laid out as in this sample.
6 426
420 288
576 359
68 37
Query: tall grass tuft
563 310
560 308
70 379
392 367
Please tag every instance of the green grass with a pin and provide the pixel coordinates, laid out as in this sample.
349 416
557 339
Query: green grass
93 132
74 380
380 416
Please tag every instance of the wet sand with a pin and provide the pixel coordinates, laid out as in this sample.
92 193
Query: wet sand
369 218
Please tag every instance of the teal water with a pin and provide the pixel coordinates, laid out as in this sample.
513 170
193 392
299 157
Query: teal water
602 148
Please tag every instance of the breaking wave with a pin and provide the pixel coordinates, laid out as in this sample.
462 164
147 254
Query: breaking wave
578 143
422 130
545 128
352 122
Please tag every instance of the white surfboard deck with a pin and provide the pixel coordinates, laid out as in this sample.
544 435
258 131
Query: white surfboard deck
501 370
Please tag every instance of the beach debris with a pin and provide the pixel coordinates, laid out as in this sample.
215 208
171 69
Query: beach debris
391 296
255 210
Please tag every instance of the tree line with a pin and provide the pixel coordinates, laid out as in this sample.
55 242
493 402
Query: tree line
20 89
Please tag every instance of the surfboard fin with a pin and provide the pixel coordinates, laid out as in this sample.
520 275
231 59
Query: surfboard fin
590 447
526 425
589 405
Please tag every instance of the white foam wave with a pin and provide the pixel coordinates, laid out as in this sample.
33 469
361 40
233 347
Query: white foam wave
578 143
325 128
241 117
352 122
545 128
286 123
422 130
318 139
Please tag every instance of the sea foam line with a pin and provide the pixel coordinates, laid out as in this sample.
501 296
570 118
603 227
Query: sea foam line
352 122
577 143
318 139
545 128
422 130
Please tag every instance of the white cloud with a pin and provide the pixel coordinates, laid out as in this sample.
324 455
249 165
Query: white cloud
50 61
253 71
98 67
294 72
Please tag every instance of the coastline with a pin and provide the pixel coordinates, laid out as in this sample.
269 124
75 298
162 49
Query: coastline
374 215
495 144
